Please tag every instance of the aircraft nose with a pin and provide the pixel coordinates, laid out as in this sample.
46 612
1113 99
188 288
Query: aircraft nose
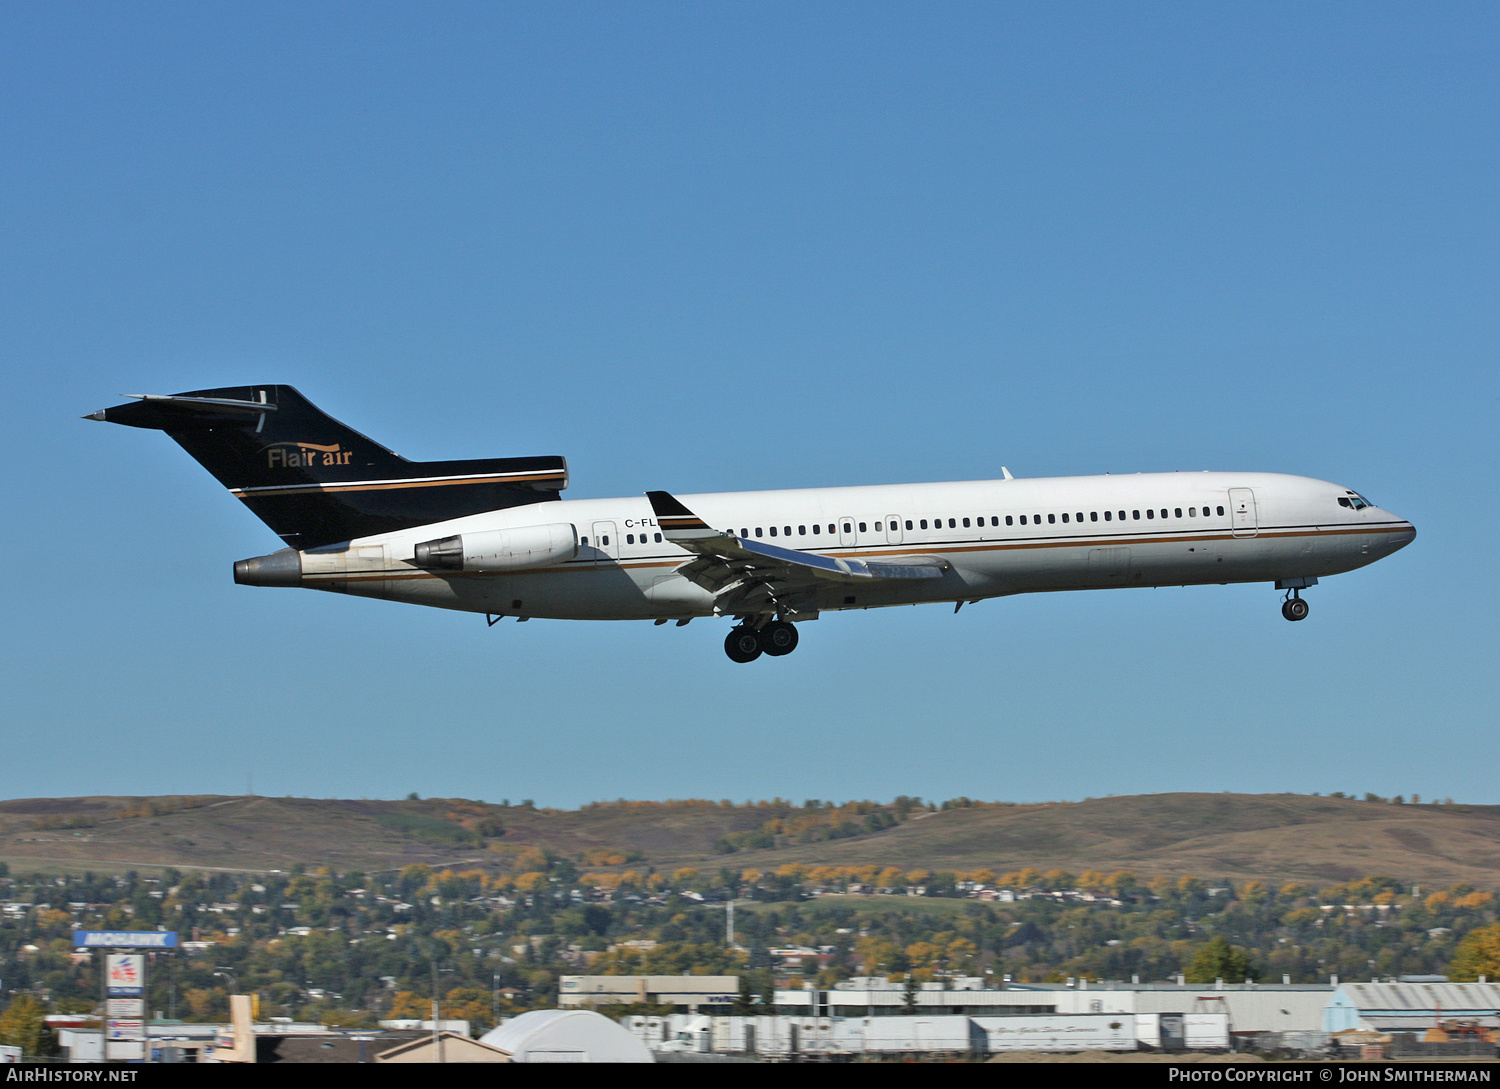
1405 534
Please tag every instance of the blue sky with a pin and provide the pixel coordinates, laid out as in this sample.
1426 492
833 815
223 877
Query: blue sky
722 247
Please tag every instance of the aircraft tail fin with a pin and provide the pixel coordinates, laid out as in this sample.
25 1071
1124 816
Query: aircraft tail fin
315 481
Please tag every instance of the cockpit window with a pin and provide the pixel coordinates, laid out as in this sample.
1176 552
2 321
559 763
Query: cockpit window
1354 500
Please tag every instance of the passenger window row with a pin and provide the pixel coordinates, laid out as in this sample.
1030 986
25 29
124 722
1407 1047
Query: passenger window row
832 528
994 520
1134 515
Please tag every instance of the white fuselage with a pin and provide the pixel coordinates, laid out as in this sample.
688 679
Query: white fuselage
997 537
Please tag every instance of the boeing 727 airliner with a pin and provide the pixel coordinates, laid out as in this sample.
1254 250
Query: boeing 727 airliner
494 537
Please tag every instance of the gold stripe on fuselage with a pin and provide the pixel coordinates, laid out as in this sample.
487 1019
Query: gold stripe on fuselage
998 546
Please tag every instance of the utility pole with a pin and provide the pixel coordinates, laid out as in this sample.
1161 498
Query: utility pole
437 1036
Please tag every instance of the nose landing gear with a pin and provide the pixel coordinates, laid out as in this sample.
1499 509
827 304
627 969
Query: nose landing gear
745 644
1293 607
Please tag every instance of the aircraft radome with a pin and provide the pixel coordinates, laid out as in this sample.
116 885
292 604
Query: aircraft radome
493 536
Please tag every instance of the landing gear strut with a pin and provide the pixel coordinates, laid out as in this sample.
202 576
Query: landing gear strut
1294 608
745 644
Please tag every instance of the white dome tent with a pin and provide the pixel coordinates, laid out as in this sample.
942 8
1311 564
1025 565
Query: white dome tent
566 1036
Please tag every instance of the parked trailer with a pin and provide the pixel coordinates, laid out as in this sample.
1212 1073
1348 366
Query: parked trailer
774 1036
1182 1031
949 1035
1061 1032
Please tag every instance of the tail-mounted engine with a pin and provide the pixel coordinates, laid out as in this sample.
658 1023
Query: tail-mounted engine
500 549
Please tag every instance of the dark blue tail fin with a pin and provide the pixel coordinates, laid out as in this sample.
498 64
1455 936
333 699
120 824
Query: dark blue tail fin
315 481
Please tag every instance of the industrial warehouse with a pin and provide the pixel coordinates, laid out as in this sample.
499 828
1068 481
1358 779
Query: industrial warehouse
876 1018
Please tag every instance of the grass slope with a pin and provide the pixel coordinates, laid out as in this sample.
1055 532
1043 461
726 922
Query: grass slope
1277 837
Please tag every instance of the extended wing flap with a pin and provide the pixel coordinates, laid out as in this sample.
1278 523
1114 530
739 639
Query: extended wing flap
741 570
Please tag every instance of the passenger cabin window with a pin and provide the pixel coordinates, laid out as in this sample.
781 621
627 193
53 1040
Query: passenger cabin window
802 531
1051 519
1008 520
862 527
773 531
658 538
1065 516
758 528
1094 515
966 523
1176 512
1220 510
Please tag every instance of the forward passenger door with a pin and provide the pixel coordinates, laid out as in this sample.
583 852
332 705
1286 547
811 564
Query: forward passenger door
1242 512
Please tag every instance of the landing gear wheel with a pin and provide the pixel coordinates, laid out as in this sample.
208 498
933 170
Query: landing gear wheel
742 645
778 638
1294 608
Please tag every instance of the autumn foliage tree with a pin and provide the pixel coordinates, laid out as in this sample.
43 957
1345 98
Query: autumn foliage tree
1477 955
23 1025
1220 960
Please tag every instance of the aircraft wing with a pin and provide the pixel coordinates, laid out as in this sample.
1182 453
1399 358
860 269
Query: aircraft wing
749 575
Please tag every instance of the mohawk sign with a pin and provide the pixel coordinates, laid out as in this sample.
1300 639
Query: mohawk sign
125 939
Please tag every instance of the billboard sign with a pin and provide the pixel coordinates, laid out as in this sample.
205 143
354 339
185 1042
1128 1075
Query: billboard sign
125 1009
125 973
126 1030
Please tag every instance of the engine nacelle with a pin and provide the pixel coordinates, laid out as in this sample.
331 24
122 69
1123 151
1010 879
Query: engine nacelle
500 549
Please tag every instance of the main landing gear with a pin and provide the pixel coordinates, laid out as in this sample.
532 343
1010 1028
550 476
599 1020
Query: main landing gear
1294 608
745 644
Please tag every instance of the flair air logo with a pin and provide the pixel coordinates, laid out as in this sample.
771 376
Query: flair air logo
305 455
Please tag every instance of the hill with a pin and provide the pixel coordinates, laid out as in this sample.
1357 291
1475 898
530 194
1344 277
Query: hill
1279 837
